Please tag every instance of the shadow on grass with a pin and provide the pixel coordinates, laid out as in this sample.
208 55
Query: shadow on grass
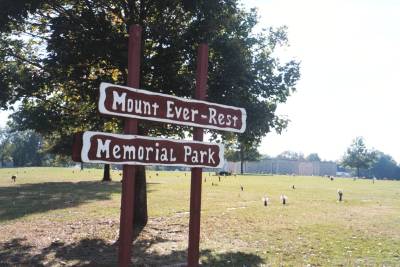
25 199
95 252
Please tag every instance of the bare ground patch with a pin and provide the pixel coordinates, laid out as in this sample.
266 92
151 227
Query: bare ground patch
163 242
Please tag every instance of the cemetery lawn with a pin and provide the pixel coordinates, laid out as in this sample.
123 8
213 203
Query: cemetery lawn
67 217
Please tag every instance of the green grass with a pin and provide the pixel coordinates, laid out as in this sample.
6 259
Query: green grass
236 229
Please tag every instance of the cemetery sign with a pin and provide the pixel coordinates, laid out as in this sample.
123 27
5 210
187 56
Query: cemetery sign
130 149
143 150
123 101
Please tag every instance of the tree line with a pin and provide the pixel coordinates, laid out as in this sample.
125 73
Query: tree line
358 160
369 162
27 149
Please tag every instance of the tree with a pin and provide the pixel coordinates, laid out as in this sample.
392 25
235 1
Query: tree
291 155
27 149
313 157
69 47
242 154
6 147
385 167
358 156
22 148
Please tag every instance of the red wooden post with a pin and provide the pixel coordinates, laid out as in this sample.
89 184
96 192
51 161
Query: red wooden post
128 178
196 179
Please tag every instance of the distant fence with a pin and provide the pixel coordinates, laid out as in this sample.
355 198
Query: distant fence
281 166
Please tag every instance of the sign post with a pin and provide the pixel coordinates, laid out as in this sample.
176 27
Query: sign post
129 172
129 149
196 179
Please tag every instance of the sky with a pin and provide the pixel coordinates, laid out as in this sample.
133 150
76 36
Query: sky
349 52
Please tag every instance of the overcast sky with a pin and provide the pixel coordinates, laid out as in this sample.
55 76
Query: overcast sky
350 54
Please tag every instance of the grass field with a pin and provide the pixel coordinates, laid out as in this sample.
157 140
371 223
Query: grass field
67 217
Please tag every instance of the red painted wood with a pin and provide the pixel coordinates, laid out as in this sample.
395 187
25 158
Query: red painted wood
128 177
196 179
77 147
